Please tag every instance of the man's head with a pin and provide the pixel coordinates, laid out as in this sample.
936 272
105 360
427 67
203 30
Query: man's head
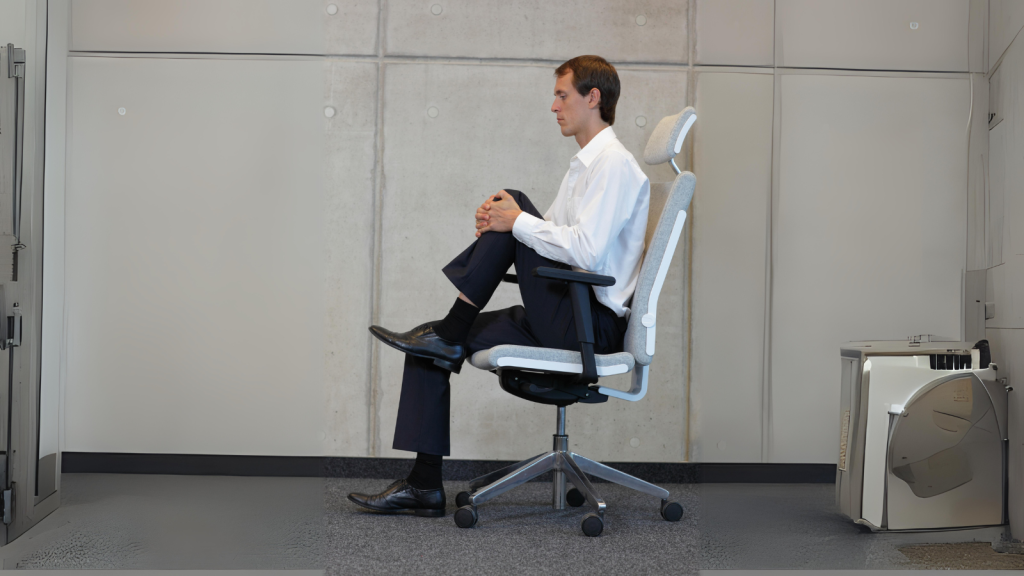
586 91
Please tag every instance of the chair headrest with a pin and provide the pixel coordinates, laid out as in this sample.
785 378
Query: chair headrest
668 136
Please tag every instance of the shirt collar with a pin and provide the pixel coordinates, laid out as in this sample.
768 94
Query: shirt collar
598 143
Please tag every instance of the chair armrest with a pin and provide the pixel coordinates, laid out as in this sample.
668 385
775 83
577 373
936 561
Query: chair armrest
580 293
573 276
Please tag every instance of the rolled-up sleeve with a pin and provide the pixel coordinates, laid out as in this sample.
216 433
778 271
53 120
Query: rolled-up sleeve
611 193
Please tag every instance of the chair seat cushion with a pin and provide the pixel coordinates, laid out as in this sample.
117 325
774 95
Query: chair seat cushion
549 360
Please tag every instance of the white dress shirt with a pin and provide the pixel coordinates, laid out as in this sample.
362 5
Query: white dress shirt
598 221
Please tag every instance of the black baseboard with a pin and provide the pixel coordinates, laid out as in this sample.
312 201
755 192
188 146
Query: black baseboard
454 470
190 464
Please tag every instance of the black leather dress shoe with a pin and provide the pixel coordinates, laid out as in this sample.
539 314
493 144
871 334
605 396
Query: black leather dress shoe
400 496
423 342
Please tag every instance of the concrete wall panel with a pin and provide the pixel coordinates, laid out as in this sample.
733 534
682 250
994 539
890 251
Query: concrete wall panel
353 29
227 26
444 152
171 208
734 32
351 90
641 31
872 34
733 161
1006 18
870 235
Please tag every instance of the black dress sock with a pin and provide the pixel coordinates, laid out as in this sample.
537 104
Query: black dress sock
455 326
426 473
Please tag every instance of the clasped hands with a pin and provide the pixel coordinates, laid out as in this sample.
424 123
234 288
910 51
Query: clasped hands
497 214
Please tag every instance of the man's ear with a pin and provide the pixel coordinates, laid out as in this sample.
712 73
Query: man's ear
594 98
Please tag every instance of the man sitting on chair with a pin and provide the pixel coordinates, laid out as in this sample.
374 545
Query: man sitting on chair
596 223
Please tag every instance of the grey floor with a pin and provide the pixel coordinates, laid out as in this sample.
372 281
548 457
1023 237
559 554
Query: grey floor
109 521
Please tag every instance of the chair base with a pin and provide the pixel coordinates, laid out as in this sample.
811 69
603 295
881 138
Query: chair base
565 466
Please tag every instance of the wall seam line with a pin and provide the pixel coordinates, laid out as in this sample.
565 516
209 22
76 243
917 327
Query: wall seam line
691 90
378 255
766 345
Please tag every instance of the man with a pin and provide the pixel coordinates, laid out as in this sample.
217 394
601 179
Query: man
596 223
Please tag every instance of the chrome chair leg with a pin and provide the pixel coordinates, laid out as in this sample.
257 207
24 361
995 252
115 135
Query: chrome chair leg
580 480
492 476
534 468
560 445
612 475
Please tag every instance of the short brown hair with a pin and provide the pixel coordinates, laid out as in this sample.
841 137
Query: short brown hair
589 72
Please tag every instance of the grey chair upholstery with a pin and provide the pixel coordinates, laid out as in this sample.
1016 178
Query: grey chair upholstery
563 377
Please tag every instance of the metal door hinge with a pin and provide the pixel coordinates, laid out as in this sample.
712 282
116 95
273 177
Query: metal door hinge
15 62
16 331
8 502
14 325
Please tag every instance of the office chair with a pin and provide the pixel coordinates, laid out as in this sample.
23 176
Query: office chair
564 377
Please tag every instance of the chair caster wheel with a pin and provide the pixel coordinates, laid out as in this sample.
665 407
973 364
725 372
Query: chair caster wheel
575 498
462 499
672 511
592 525
465 517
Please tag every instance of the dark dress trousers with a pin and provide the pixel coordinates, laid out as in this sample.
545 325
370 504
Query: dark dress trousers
545 319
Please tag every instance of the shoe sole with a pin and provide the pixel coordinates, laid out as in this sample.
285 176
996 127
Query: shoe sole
456 368
423 512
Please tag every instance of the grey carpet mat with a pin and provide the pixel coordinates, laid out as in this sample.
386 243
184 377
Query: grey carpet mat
518 531
142 522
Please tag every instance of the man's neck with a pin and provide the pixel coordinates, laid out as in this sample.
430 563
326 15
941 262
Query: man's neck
585 136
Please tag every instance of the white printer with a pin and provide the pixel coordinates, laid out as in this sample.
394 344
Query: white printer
922 436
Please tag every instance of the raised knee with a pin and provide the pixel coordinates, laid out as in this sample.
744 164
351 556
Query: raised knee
521 199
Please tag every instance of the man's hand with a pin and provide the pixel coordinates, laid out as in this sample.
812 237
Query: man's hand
497 214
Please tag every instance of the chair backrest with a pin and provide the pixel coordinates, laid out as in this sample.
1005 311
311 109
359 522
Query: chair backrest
669 203
668 206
